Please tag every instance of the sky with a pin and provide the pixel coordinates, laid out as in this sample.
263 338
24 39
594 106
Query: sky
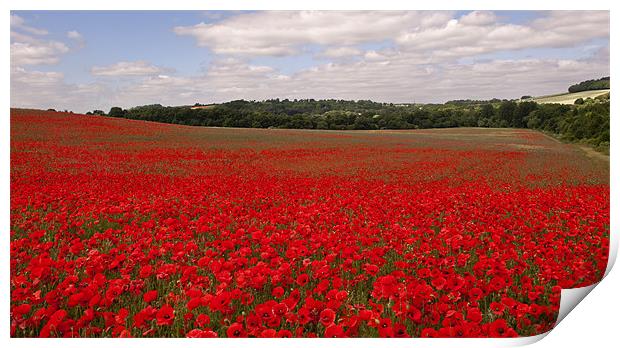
87 60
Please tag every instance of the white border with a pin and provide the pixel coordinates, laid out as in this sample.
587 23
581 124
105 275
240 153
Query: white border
593 322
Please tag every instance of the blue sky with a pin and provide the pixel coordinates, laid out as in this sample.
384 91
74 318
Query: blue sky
117 36
130 58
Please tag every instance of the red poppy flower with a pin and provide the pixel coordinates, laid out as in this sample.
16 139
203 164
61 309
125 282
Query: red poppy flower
195 303
197 333
21 309
274 322
252 321
146 271
268 333
113 292
428 333
203 320
302 279
535 310
277 292
365 314
236 330
438 282
414 314
334 331
165 315
497 308
280 309
498 328
475 294
474 315
400 331
52 326
284 334
264 312
150 296
327 317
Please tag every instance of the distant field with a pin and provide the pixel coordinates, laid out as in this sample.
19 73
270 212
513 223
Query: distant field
568 98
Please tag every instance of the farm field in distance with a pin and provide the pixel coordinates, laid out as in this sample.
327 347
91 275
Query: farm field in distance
124 228
569 98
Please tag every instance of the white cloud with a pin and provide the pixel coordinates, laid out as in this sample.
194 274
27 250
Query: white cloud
280 33
36 78
35 52
580 24
19 23
276 33
77 38
27 49
482 32
42 90
20 37
74 35
478 18
137 68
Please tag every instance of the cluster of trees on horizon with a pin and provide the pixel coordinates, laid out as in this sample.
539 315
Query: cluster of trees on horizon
587 121
590 85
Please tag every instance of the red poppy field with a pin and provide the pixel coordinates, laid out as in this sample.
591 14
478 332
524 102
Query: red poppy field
124 228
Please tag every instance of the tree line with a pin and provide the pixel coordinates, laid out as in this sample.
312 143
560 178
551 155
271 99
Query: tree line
587 122
602 83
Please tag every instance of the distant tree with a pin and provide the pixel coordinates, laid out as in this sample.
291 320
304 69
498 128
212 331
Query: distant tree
522 111
506 113
532 121
363 122
483 122
54 110
579 101
115 111
487 111
96 112
526 97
